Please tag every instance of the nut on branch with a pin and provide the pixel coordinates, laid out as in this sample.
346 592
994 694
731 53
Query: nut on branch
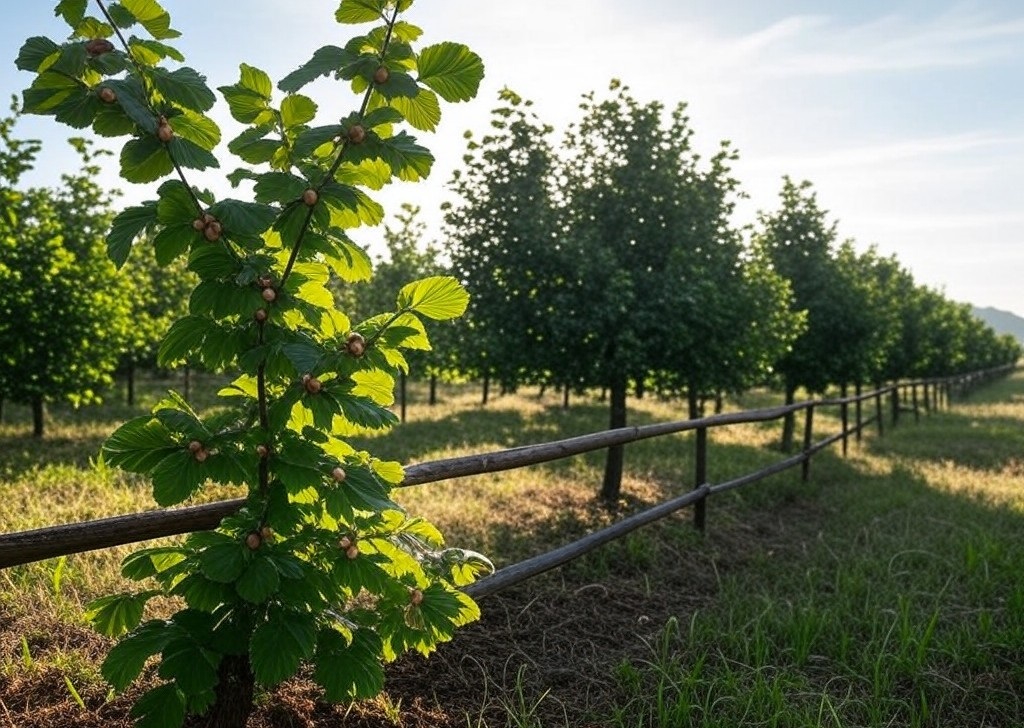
356 134
98 46
107 95
355 344
381 75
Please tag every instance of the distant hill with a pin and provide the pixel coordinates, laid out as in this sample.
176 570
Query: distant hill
1003 322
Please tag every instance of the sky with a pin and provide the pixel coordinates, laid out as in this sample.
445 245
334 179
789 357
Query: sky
906 115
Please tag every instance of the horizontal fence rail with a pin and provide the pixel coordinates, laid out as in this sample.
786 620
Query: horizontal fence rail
43 543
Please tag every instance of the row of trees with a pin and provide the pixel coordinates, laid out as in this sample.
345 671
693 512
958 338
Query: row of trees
610 260
614 262
69 319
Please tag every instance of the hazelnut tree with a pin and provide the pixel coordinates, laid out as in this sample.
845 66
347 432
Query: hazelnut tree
65 311
321 566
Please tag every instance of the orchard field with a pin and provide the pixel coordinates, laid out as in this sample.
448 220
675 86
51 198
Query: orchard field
887 591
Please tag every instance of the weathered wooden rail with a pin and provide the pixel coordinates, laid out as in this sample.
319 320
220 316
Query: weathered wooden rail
28 546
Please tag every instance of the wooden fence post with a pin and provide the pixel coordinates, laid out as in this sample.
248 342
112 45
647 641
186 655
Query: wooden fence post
844 416
859 411
895 400
913 401
878 413
805 466
700 477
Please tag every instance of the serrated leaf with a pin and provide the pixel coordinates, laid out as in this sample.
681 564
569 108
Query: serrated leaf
139 445
452 70
325 60
280 645
310 139
223 562
198 129
125 228
360 11
259 581
189 665
376 384
244 218
73 11
162 707
253 147
152 17
348 670
409 161
151 52
176 478
422 111
184 87
128 657
150 562
145 159
250 97
117 614
175 204
183 340
436 297
190 155
36 51
279 187
297 109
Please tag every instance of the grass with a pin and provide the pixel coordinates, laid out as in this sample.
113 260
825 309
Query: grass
888 591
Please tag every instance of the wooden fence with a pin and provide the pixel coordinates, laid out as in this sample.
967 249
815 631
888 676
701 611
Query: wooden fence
910 397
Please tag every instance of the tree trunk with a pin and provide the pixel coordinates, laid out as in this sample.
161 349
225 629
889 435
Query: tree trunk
641 387
130 396
789 421
403 381
1 410
38 416
433 390
719 403
612 485
565 397
487 388
543 389
187 384
234 691
692 402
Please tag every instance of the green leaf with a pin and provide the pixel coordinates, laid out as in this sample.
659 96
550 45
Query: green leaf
190 155
297 109
184 87
202 593
183 340
152 17
244 218
366 413
198 129
48 91
253 147
131 99
437 297
325 60
172 241
127 226
348 671
259 581
422 111
118 613
73 11
366 492
250 97
360 11
139 445
176 204
151 52
310 139
176 478
161 707
145 159
223 562
150 562
128 657
280 645
36 51
376 384
193 668
452 70
279 187
408 160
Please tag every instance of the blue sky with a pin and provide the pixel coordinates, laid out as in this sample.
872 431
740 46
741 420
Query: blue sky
908 117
